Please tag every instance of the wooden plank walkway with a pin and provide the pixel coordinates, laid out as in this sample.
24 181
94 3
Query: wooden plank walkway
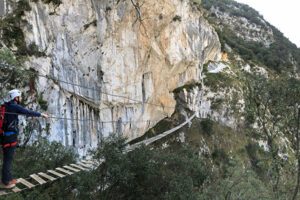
26 183
43 178
162 135
38 179
47 176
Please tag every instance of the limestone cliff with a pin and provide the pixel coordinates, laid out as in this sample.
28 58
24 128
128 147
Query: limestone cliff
140 50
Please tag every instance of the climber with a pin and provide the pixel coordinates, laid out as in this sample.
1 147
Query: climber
10 135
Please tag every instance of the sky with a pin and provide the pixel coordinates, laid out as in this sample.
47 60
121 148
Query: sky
284 15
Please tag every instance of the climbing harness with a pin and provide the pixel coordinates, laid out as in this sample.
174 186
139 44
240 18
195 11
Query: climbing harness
10 144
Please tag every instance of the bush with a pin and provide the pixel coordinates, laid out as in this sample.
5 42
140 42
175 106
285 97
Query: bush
188 87
216 104
215 81
177 18
147 174
207 126
55 2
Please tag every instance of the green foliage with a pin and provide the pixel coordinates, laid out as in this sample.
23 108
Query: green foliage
239 182
12 34
205 67
207 126
31 50
227 6
274 104
220 157
146 174
215 81
93 23
54 2
43 103
12 78
258 160
7 57
176 18
278 56
217 103
40 157
163 125
197 1
12 24
187 87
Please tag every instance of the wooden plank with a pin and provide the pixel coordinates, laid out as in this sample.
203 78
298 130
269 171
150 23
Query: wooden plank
84 165
3 193
38 179
16 189
88 162
64 171
26 183
71 168
47 176
56 173
78 166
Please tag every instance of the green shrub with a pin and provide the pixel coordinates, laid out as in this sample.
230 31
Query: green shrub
146 174
188 87
207 126
55 2
43 103
220 157
215 81
176 18
216 104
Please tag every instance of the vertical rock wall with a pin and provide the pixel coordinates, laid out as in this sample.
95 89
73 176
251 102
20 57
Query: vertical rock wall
139 50
2 7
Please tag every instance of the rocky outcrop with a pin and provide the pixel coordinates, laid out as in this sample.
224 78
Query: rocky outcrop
243 27
138 50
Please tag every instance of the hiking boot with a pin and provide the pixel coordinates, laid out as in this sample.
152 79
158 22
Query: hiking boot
13 181
9 186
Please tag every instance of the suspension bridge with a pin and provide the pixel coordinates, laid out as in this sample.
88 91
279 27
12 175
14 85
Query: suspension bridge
41 178
51 175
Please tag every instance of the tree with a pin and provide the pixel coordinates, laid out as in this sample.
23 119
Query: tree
265 101
238 182
275 104
145 174
291 121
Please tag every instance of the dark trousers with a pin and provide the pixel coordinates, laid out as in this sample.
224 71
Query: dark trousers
8 157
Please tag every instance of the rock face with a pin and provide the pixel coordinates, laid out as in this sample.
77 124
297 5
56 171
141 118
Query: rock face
244 28
127 56
5 7
2 7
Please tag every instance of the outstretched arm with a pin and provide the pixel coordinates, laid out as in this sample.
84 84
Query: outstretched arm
25 111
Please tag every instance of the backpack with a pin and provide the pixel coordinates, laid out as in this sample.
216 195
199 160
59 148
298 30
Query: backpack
2 121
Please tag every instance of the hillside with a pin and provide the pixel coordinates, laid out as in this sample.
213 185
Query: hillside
136 69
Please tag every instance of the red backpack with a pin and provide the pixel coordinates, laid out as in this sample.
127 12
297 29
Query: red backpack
2 113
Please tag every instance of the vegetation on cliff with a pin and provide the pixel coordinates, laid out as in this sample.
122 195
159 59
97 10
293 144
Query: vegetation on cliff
208 161
280 56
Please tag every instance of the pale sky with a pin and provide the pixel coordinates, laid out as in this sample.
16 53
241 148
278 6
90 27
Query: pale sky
284 15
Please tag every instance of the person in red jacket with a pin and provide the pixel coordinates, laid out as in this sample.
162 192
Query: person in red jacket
10 135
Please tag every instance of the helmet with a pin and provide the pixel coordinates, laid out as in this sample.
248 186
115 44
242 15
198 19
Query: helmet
14 93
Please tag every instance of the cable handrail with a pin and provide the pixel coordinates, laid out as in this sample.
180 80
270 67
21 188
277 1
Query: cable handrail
78 119
82 86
